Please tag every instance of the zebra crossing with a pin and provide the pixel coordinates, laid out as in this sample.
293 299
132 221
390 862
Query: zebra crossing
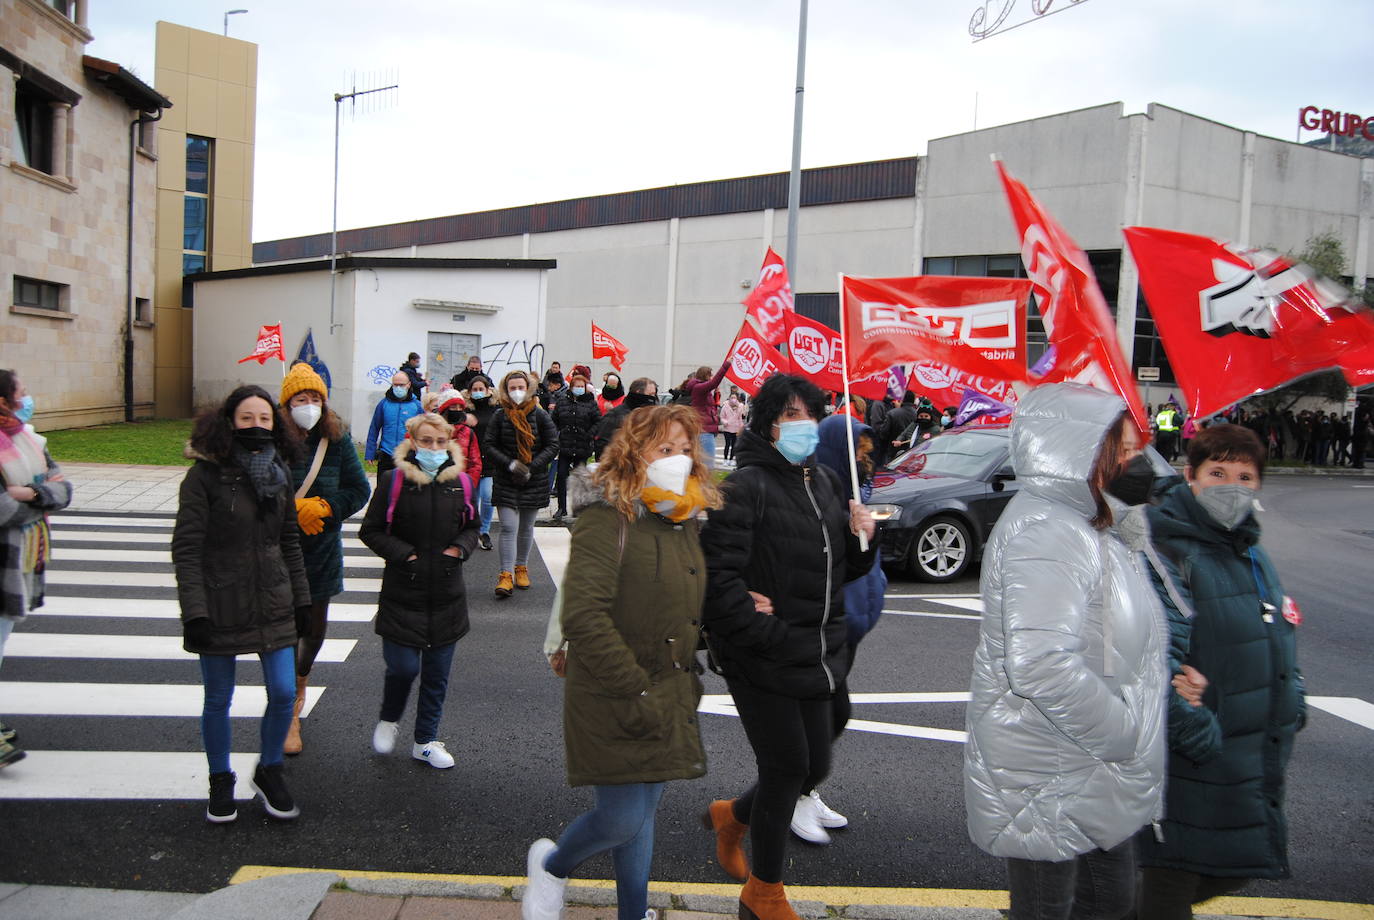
84 659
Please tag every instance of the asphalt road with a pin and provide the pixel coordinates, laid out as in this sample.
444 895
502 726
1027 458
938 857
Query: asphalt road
901 791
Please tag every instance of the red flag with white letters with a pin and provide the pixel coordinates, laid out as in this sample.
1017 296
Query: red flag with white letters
605 345
1237 321
771 299
1077 319
269 346
751 360
814 350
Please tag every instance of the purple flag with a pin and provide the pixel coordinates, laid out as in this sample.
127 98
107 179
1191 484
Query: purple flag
1045 364
975 404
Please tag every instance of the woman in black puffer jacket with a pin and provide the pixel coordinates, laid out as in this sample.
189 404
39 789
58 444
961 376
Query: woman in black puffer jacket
520 444
423 522
576 417
778 555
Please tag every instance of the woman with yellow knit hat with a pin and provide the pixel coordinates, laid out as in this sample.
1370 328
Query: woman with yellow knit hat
330 485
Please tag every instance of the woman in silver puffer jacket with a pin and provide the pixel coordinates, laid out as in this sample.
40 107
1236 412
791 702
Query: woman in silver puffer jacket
1066 749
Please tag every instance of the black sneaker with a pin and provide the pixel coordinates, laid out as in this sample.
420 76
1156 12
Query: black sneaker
221 809
8 734
484 540
272 788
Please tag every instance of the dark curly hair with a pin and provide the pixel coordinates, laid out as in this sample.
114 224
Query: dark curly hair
777 391
9 384
213 434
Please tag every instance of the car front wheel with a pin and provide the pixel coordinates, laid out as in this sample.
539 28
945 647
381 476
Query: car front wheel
941 550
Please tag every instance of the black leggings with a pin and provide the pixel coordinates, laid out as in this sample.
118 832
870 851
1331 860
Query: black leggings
308 646
791 739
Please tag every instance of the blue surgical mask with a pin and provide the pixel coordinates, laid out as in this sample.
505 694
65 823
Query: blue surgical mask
25 410
479 394
430 460
797 440
400 392
579 391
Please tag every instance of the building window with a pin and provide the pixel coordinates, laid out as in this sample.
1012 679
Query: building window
33 116
195 244
143 310
38 295
62 6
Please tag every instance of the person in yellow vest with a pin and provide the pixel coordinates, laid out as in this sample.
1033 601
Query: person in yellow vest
1167 424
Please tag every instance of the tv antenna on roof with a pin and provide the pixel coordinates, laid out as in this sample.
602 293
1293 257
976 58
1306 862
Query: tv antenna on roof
372 101
993 17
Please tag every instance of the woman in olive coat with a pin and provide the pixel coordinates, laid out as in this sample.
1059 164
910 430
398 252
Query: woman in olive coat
241 582
632 600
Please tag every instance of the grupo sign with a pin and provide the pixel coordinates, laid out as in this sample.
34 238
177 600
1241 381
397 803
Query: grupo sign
1346 124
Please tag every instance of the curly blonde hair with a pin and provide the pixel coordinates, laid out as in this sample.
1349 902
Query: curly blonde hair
622 472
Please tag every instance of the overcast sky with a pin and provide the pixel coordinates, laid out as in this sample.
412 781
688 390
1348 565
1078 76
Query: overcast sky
511 102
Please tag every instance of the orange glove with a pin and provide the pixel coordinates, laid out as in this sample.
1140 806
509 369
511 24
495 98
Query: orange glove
310 514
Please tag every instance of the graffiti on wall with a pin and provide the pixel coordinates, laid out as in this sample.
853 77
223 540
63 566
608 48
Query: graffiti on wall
498 358
381 374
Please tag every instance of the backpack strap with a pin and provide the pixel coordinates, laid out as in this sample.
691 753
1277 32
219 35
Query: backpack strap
391 499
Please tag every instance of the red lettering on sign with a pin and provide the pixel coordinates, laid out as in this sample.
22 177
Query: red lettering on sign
1307 117
1327 117
1353 124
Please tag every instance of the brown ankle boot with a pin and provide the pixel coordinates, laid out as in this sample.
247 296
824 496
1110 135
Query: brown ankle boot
720 817
522 577
764 901
293 734
504 587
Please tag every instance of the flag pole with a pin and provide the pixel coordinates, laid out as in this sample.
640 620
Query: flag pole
849 435
281 348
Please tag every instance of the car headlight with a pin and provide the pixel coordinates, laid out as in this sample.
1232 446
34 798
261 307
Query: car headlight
885 512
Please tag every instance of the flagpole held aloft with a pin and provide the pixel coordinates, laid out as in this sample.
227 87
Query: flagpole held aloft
849 437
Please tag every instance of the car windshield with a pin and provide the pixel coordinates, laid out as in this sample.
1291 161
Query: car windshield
965 454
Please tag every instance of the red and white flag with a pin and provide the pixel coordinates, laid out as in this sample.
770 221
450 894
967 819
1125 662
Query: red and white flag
1077 319
771 299
814 350
605 345
751 360
269 346
1236 322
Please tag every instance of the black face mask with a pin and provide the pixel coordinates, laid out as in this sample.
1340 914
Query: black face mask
253 439
1135 482
638 400
613 392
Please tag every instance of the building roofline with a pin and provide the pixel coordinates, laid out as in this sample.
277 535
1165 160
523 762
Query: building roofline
348 263
124 84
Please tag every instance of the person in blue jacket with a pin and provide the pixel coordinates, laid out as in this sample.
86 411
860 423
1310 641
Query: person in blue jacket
388 428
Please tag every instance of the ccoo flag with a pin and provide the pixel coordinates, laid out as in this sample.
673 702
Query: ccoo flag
605 345
269 346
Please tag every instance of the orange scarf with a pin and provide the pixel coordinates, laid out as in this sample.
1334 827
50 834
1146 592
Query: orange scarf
520 418
676 508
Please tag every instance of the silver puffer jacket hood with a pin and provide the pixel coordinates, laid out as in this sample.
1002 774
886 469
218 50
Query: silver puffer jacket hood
1066 745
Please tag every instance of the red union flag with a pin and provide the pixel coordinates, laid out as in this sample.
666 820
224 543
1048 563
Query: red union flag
771 299
605 345
1077 319
269 345
815 351
1236 321
977 325
752 361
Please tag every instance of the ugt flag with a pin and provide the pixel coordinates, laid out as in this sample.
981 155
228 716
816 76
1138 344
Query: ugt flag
751 361
1077 319
269 346
605 345
771 299
1236 322
815 352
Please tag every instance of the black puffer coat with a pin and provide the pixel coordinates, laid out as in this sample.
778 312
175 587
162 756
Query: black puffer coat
485 410
784 533
498 449
237 560
423 603
576 418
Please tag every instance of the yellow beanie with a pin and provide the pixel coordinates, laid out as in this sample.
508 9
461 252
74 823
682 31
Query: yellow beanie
299 378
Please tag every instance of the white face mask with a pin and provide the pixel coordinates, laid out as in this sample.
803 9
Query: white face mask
306 415
517 396
670 473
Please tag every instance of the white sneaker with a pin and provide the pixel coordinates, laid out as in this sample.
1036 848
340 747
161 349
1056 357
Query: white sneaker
806 822
435 753
384 737
543 898
825 815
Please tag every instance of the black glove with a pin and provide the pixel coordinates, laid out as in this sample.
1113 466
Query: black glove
198 633
519 472
303 618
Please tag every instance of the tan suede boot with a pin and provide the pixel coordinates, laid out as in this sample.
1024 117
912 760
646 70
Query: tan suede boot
504 586
764 901
720 817
522 577
293 734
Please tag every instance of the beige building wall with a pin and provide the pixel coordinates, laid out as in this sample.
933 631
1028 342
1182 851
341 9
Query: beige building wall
212 82
68 228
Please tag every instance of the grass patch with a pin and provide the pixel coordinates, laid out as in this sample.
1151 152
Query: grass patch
158 442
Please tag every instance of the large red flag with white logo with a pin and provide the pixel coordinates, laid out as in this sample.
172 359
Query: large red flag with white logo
771 299
605 345
1077 319
269 345
814 350
977 325
751 360
1236 322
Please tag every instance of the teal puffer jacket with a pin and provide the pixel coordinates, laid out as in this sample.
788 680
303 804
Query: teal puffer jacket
1224 800
343 484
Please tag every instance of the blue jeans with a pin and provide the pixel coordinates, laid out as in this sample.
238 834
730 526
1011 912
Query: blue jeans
217 674
1098 885
622 821
403 664
484 504
708 447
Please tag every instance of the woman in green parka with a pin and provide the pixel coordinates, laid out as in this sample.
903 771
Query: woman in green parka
330 485
632 600
1232 635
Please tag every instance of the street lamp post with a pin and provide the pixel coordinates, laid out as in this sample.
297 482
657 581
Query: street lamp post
794 177
227 14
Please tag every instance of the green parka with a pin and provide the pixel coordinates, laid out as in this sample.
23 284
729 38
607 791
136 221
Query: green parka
1224 799
631 618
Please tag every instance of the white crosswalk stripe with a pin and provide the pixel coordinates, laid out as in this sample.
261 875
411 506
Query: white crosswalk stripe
51 656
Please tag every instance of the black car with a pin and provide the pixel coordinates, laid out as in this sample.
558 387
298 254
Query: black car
950 491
